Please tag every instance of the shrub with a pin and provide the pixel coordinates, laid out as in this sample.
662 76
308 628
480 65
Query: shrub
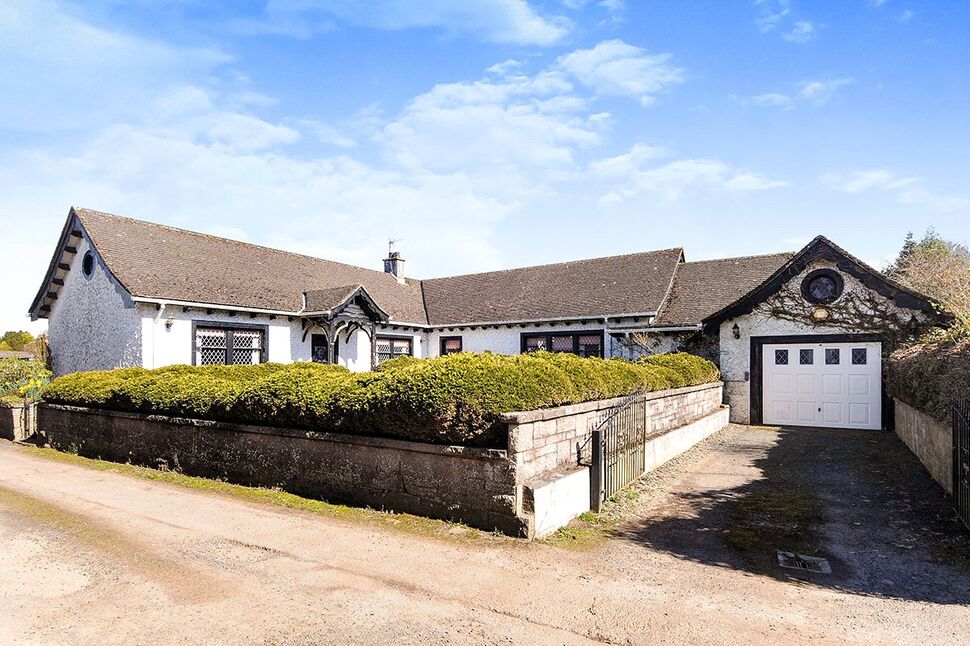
931 375
22 379
456 399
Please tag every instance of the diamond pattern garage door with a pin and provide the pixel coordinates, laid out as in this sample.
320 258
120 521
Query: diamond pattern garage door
833 385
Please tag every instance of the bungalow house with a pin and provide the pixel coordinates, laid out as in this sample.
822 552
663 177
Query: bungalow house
799 336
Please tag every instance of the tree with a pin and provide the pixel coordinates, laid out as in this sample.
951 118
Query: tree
17 340
938 268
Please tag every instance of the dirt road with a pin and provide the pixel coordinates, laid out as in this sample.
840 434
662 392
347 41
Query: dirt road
90 557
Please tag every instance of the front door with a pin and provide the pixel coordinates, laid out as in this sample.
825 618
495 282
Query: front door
833 385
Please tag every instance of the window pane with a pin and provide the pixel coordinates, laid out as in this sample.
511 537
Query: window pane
781 357
247 347
589 345
806 357
210 338
383 349
562 343
450 346
859 356
535 343
210 346
832 357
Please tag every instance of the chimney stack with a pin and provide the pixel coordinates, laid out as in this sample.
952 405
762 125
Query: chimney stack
394 265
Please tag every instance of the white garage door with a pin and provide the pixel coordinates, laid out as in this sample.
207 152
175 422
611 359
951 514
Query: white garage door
835 385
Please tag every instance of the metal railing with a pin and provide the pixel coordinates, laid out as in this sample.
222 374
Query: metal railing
618 449
961 460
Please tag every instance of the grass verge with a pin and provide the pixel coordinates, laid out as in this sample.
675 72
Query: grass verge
425 527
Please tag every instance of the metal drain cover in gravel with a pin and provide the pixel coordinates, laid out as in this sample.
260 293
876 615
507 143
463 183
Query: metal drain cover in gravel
793 561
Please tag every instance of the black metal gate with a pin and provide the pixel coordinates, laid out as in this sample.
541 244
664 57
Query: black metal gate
618 450
961 461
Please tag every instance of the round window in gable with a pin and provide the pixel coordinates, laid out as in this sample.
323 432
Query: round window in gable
822 287
87 265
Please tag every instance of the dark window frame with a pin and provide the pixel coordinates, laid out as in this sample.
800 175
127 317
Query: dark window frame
393 337
336 348
782 353
88 258
444 339
547 335
833 352
823 273
229 327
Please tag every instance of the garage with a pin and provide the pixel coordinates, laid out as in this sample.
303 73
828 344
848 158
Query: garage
832 385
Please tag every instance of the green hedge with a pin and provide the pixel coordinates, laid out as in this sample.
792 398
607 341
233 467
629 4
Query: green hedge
455 399
933 374
21 379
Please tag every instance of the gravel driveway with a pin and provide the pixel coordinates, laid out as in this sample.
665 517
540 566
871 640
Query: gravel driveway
91 557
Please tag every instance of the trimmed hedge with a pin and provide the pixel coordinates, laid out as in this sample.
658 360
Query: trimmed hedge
931 375
456 399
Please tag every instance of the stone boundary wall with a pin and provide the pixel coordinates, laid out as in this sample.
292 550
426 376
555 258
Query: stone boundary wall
473 486
484 488
545 440
17 422
930 439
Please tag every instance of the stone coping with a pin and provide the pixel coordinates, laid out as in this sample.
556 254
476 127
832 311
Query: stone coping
543 414
472 453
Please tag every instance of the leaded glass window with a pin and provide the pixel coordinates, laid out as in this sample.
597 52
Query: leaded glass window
806 357
833 357
781 357
228 346
859 356
389 347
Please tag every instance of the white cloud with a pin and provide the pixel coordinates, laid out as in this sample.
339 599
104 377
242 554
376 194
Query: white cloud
905 16
772 100
877 3
802 32
99 74
907 189
771 13
510 117
615 68
820 92
817 92
778 15
500 21
635 174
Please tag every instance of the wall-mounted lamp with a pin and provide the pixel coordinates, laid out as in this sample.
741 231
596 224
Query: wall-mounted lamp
168 324
737 331
821 314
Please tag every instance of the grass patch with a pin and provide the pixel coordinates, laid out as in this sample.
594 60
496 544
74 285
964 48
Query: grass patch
774 515
426 527
591 529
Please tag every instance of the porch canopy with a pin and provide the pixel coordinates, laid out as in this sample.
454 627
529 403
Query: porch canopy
342 309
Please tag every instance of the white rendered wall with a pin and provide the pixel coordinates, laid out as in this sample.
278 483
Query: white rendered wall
93 324
506 340
167 335
735 354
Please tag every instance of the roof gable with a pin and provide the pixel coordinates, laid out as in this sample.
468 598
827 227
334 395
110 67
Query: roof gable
821 248
703 287
337 300
165 263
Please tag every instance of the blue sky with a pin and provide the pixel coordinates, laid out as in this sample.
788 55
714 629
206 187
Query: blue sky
485 133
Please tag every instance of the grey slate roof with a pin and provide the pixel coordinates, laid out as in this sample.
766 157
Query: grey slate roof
702 288
155 261
165 263
319 300
635 283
